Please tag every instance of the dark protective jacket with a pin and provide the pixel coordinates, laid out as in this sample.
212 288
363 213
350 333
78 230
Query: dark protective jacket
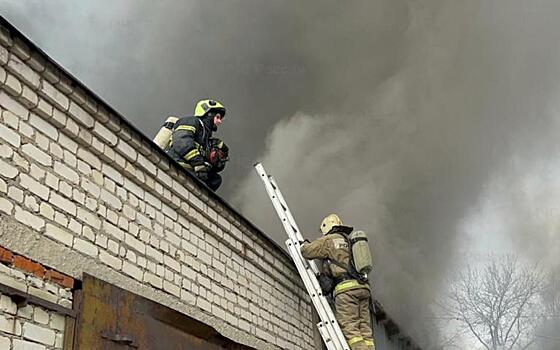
190 140
334 247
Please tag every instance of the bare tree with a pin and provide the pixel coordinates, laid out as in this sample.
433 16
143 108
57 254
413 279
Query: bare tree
547 333
499 304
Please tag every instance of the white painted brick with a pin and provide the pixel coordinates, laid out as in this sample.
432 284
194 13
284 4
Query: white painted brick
46 211
26 130
7 324
188 297
28 97
110 260
12 105
169 212
67 143
59 234
3 186
132 270
113 231
166 179
25 312
59 341
31 203
111 200
154 280
13 282
85 247
51 181
112 173
51 94
43 126
10 136
4 55
105 134
8 171
203 304
154 254
58 118
5 151
146 164
12 85
72 128
113 246
172 263
70 159
26 345
129 213
89 218
80 198
7 305
75 226
11 119
35 153
35 187
89 158
135 244
23 71
40 316
67 173
39 334
80 115
171 288
58 322
5 343
134 188
218 312
91 188
44 109
29 219
84 168
20 162
63 203
36 172
60 219
126 150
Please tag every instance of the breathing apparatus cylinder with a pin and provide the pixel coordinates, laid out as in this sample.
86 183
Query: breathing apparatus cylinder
163 137
361 252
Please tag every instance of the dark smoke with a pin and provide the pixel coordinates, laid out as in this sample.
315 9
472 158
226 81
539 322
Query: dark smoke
412 119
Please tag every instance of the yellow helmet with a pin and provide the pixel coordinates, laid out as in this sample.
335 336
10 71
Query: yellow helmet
329 222
205 106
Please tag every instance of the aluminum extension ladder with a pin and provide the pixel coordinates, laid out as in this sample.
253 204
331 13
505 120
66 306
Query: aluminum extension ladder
328 327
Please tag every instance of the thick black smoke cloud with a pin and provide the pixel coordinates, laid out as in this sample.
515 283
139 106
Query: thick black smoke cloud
412 119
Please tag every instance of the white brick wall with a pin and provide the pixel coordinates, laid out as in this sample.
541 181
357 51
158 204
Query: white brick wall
73 172
31 327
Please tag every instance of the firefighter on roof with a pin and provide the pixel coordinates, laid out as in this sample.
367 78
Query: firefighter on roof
192 144
348 261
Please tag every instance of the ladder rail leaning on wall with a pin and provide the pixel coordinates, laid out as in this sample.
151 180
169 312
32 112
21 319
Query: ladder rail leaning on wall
328 326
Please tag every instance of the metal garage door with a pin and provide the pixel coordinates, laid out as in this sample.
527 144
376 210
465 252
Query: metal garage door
113 318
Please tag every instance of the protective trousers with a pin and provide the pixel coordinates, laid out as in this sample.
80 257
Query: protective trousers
352 313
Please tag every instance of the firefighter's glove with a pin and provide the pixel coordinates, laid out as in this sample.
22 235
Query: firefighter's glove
202 168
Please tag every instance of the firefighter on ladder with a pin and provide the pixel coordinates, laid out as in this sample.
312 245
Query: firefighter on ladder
189 141
351 296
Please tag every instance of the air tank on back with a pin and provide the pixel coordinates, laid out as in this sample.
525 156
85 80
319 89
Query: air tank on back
163 137
361 252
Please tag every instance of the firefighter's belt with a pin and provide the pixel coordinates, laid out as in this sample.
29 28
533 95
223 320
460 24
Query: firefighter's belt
348 284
